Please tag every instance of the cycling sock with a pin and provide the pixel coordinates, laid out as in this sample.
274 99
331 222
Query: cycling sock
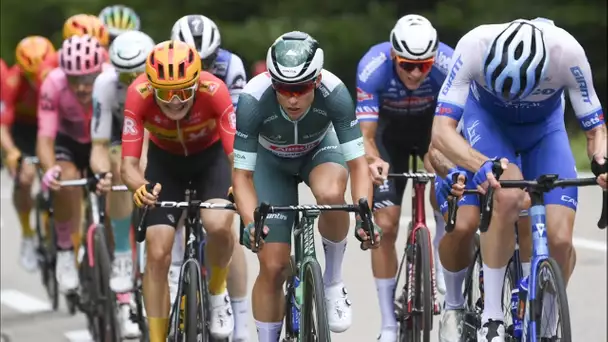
549 316
26 226
217 280
386 298
158 327
64 235
121 228
493 279
525 269
334 255
454 298
240 309
439 229
268 332
177 251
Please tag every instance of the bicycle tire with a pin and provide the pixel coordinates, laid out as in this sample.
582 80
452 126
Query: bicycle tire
511 279
561 297
472 277
109 331
50 251
138 297
423 286
473 298
192 287
291 273
313 294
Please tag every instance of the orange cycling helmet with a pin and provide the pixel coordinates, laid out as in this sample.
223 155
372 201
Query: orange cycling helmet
173 64
81 24
32 51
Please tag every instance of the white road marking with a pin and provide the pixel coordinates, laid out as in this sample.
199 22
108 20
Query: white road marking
22 302
78 336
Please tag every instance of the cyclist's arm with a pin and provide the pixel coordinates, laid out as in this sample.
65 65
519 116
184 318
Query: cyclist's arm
143 161
132 140
224 110
579 83
465 66
441 165
8 93
368 99
236 78
48 122
248 120
101 124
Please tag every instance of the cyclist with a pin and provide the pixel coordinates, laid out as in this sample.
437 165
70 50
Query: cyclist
128 55
203 34
259 67
284 129
119 19
18 129
517 72
397 87
64 143
187 116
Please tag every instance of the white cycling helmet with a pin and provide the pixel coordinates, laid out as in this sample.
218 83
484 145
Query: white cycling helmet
295 57
414 38
128 52
201 33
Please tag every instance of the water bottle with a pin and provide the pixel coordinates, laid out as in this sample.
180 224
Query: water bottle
521 308
297 301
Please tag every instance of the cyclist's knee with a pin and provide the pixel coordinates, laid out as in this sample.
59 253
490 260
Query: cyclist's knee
330 193
27 176
159 241
388 219
467 223
274 261
220 225
560 223
68 170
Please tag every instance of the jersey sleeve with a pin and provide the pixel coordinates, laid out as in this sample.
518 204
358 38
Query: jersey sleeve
48 109
370 77
47 66
8 94
101 124
579 84
340 110
236 78
464 68
222 106
248 122
133 126
441 66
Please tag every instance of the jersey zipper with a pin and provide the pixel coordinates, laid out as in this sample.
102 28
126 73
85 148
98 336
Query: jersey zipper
181 138
295 132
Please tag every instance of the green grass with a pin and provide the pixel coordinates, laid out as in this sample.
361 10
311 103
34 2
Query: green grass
578 143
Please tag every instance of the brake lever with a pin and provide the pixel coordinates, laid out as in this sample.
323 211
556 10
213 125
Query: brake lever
259 217
601 223
366 220
488 200
452 208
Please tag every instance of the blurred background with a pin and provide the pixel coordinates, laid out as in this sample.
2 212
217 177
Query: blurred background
344 28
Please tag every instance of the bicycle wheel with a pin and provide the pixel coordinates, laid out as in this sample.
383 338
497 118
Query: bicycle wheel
107 321
191 281
473 296
510 282
549 279
290 313
423 303
314 326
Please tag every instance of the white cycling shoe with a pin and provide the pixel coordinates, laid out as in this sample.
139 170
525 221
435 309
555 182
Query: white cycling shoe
29 259
65 271
122 273
222 320
339 311
388 335
128 328
173 282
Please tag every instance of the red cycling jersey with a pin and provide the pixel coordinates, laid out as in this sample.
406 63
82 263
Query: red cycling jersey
19 98
210 119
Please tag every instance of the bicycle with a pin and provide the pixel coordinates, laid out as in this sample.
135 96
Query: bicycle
417 303
302 301
190 312
94 297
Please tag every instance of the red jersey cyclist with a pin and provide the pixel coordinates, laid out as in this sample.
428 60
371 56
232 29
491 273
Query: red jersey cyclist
191 123
18 127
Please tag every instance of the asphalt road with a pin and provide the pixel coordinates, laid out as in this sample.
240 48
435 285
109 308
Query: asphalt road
26 316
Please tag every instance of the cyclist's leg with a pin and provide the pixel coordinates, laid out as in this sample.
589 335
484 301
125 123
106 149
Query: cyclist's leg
237 288
274 183
524 233
24 137
498 243
324 170
211 176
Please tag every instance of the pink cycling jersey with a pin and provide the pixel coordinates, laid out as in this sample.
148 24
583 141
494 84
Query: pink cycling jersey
60 111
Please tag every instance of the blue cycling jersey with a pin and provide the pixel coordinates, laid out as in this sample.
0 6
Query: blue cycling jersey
229 68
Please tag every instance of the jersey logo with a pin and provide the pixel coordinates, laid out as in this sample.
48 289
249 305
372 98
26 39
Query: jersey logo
231 121
129 127
363 96
209 87
371 66
144 89
12 81
189 133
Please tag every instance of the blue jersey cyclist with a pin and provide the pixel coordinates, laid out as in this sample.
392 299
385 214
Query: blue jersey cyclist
507 82
397 87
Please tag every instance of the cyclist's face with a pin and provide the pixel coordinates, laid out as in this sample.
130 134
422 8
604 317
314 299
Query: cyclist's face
296 100
412 74
175 109
82 87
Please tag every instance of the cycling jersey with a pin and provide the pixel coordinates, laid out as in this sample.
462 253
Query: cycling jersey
261 120
210 119
108 106
19 98
229 68
534 126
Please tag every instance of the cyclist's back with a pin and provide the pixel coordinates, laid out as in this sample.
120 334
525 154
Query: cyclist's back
229 68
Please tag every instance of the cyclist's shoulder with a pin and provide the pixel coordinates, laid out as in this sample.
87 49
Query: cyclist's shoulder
375 67
55 80
258 87
138 95
105 83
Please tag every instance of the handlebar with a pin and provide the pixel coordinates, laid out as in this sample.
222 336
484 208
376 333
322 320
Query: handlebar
29 160
413 175
262 211
90 183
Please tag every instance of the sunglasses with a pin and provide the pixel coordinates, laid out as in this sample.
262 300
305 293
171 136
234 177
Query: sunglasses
294 90
82 79
409 65
127 78
183 95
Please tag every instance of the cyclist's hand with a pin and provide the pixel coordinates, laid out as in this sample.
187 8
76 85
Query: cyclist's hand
363 236
104 185
448 187
484 176
378 171
599 167
50 180
230 194
147 194
12 162
248 236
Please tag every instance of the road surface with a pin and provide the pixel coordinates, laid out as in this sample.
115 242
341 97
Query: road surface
26 316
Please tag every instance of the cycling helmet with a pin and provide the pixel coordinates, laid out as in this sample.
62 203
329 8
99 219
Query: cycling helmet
32 51
515 61
173 64
414 38
201 33
119 19
295 57
81 55
81 24
129 51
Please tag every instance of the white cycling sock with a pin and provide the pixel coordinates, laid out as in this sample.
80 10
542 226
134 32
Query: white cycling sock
493 279
334 255
268 332
386 298
240 309
525 269
549 316
177 251
439 229
454 297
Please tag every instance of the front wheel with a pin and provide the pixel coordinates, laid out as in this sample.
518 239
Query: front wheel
105 297
314 326
192 302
